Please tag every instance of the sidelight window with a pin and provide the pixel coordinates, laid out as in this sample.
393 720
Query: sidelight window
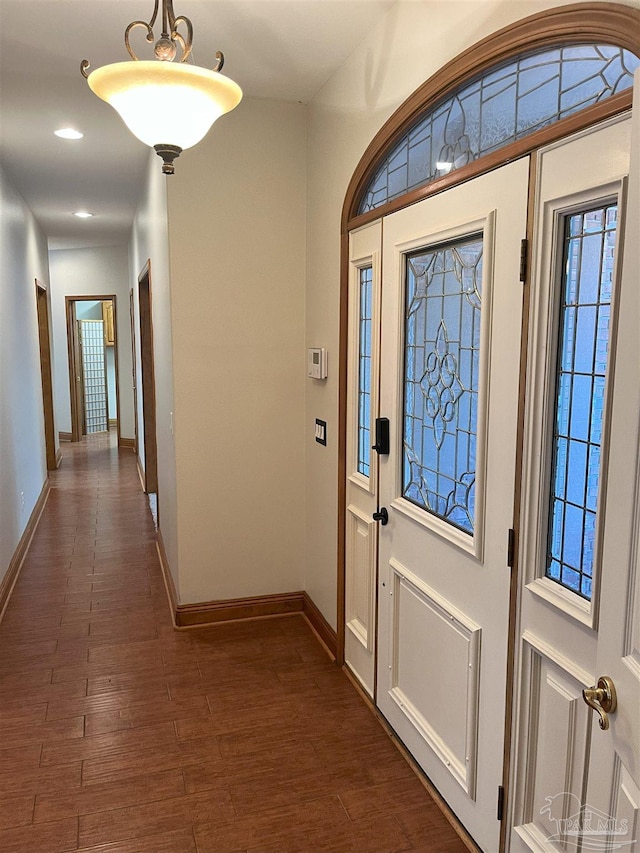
588 272
364 370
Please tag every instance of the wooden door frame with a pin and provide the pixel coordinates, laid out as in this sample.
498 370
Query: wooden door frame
44 340
75 367
73 351
148 470
134 372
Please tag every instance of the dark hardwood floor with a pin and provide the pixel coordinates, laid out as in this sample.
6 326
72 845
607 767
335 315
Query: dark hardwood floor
119 734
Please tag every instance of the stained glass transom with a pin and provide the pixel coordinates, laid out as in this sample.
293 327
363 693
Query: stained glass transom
364 371
501 106
580 392
441 379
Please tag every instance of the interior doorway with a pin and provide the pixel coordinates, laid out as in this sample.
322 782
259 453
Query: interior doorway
44 338
149 462
93 364
134 372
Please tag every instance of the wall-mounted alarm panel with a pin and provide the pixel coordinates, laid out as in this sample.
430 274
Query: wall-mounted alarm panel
317 363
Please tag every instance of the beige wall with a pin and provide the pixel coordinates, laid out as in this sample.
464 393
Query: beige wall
150 241
237 249
405 49
23 470
98 271
252 254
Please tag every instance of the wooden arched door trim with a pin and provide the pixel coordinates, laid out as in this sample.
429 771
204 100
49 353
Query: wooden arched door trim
604 23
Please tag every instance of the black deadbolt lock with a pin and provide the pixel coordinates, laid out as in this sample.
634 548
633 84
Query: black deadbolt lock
382 437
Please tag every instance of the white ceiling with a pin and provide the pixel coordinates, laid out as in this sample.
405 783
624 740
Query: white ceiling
276 49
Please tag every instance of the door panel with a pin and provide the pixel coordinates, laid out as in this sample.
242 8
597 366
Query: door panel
557 739
451 326
360 591
361 533
579 480
453 664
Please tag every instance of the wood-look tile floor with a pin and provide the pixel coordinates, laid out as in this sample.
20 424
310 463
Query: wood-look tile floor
119 734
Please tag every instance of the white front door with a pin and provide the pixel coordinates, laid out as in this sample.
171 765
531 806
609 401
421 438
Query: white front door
450 345
576 784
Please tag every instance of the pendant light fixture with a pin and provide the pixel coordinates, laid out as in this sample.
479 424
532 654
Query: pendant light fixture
168 106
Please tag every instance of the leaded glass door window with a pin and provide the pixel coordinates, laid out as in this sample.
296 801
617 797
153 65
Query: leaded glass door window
584 324
443 297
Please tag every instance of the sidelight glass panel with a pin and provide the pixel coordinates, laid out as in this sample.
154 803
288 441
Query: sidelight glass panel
364 371
503 105
441 379
585 308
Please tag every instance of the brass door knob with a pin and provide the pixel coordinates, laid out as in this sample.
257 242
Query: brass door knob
603 699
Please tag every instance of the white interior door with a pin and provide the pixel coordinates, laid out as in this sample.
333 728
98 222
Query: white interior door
576 786
451 327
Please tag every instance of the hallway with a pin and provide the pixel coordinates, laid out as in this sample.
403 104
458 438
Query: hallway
119 734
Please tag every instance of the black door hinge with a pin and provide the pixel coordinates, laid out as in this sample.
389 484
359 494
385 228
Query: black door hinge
511 544
500 802
524 259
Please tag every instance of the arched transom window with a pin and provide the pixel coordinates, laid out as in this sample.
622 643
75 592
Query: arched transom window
505 103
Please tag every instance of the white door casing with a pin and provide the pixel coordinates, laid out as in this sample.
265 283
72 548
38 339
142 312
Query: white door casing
444 592
573 783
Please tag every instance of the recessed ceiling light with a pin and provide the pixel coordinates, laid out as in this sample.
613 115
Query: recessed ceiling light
69 133
82 214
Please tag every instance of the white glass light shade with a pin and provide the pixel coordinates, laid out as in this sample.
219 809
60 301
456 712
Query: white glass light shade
68 133
165 103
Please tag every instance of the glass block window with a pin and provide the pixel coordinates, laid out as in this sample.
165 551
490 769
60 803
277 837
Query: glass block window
590 239
441 379
501 106
93 366
364 370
